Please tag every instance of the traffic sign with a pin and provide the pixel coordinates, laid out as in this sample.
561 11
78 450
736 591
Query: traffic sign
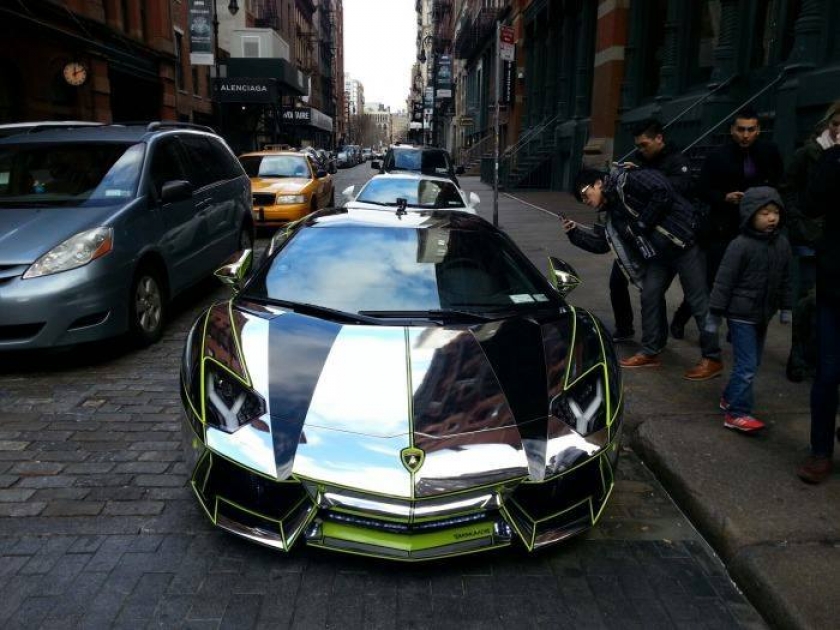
506 45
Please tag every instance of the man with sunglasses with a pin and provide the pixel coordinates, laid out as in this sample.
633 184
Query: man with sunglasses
742 162
650 227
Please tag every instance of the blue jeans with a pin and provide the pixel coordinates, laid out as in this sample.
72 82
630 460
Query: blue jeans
824 389
747 348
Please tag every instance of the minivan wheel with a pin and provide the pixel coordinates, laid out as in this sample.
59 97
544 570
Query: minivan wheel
147 307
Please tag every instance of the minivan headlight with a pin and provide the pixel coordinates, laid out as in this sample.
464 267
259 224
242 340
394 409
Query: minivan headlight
76 251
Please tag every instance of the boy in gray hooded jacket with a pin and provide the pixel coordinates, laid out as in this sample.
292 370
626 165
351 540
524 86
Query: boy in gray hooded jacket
753 282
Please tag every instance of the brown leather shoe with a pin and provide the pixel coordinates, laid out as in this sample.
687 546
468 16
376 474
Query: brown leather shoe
640 360
815 469
703 371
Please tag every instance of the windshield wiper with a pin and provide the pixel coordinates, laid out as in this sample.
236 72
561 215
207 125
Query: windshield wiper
375 203
430 314
314 309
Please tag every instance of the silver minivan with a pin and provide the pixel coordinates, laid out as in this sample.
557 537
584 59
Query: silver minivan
100 227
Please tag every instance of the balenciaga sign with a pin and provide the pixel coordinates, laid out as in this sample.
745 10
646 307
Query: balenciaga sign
246 90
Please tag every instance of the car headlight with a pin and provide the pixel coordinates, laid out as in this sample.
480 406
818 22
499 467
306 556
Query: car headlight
289 199
583 406
230 403
76 251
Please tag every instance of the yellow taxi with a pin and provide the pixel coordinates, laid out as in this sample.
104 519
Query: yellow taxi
286 185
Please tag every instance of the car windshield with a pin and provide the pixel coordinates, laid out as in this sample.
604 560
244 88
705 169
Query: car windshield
374 269
419 193
69 174
275 165
434 162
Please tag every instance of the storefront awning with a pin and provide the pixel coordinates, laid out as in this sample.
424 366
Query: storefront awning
290 80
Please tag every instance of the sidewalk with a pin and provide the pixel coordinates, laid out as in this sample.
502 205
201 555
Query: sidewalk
779 538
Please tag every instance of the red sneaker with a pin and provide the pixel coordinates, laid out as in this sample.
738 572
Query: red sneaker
747 424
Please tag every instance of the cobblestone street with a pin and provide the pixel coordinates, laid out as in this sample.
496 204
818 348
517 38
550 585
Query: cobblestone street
98 529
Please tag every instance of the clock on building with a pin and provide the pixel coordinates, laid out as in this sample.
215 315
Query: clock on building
75 73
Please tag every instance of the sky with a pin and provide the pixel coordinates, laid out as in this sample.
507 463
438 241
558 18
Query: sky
380 48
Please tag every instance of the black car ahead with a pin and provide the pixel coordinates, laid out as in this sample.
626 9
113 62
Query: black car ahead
418 159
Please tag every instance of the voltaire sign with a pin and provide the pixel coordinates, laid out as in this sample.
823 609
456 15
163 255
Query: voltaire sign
246 90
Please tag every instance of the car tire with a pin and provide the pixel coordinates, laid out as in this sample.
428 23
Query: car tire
313 207
331 204
147 307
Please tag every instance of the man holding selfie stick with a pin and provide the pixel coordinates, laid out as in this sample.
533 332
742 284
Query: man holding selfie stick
651 230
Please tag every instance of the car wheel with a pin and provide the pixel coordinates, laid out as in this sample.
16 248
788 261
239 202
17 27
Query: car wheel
332 199
314 205
147 309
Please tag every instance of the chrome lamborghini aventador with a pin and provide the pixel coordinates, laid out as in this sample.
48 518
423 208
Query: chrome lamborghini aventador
400 383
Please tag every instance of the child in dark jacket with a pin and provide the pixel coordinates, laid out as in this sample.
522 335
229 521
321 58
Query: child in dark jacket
753 282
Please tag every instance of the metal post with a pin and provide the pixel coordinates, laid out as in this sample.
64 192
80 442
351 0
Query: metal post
496 125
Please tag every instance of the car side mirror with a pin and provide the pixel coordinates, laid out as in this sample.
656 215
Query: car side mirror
176 190
459 170
348 192
375 164
474 199
562 276
234 274
320 173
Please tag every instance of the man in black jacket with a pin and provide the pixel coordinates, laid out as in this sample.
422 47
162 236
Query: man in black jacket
742 162
821 200
651 230
651 152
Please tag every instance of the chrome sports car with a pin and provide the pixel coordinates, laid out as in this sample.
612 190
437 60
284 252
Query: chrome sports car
402 384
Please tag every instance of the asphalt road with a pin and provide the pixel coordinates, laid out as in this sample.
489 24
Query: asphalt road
99 529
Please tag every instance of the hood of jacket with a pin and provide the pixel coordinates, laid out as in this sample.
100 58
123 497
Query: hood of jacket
753 200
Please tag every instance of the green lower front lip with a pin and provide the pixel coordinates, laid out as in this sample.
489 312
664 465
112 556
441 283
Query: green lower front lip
408 543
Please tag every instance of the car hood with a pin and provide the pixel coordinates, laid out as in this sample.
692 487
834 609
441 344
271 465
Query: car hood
291 185
349 406
28 233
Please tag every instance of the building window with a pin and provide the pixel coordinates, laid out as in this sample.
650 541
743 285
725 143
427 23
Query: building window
124 13
653 46
179 61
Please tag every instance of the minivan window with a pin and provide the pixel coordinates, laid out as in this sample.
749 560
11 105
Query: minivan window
69 174
229 166
201 163
166 164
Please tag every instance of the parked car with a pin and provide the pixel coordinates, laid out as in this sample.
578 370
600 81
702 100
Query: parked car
327 160
100 227
367 154
286 186
404 385
416 192
418 159
343 159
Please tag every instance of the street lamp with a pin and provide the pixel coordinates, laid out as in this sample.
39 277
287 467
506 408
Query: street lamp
233 9
428 41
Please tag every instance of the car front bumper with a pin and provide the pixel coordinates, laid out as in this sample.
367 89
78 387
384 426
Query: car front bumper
77 306
280 513
279 214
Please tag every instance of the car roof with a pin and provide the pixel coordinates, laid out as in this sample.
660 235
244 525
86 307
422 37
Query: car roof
456 218
412 175
264 153
103 133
